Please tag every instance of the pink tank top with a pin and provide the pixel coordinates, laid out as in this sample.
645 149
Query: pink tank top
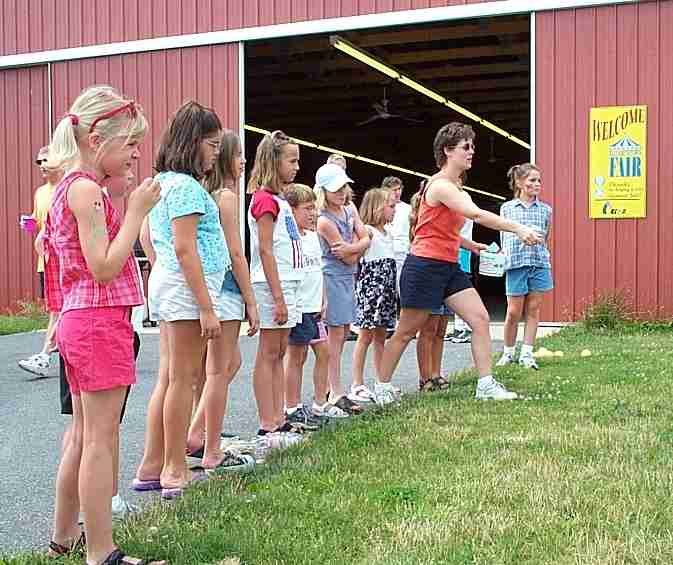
437 234
70 284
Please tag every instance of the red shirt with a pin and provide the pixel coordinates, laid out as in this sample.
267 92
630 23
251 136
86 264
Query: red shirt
69 282
437 234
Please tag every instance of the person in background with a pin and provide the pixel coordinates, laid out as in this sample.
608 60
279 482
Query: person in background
39 363
399 227
461 331
528 274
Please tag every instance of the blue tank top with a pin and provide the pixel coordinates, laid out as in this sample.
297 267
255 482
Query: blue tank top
331 264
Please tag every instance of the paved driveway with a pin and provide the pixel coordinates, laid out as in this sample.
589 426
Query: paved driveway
31 428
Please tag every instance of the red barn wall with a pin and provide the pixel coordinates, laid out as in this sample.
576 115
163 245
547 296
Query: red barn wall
607 56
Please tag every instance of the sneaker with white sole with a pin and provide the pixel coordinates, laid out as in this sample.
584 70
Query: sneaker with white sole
302 420
233 462
463 336
494 391
328 410
384 393
362 394
506 359
528 361
37 364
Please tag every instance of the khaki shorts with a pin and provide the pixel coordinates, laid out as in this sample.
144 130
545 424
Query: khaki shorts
265 304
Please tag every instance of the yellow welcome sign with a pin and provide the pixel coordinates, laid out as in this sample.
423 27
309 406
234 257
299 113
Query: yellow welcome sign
618 162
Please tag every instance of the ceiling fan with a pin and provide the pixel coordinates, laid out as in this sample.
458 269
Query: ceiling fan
382 112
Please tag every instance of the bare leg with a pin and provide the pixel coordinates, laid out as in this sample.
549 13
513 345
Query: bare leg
514 313
294 368
66 510
379 335
153 456
411 321
335 342
533 304
320 382
424 343
213 403
468 305
269 355
101 412
438 346
186 349
279 379
360 355
49 338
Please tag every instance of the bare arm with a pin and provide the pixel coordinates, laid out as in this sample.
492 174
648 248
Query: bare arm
239 265
265 226
146 242
349 253
106 258
184 233
448 194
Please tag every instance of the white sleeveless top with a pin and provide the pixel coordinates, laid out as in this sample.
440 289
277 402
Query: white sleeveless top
382 245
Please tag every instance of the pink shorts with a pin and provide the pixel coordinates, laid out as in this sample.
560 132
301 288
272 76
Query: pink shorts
97 347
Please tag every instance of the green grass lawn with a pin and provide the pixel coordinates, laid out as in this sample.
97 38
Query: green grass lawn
578 472
18 324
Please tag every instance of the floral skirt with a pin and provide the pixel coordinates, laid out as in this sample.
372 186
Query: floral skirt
376 294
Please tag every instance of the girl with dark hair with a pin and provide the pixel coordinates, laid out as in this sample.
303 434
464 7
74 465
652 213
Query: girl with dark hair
237 301
527 269
184 286
431 274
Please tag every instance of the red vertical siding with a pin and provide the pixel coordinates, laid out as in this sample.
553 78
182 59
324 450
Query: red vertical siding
615 55
23 99
48 24
209 75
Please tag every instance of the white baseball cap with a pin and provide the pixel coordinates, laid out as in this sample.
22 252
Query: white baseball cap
331 177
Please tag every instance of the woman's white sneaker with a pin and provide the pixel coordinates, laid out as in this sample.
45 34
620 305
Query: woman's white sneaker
493 390
506 359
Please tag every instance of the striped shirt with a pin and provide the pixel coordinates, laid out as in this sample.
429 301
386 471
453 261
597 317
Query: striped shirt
537 215
70 284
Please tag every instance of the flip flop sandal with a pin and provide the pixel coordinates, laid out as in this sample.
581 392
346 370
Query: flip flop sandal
142 485
57 550
233 463
118 557
441 383
361 394
348 406
428 385
196 453
170 493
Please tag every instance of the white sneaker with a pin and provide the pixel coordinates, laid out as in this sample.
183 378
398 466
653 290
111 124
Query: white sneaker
361 394
384 393
37 364
328 410
283 440
506 359
494 391
528 361
122 509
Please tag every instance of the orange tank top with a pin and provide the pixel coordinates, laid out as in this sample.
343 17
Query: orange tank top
437 234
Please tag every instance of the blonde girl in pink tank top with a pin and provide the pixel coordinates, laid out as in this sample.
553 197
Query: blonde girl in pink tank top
97 139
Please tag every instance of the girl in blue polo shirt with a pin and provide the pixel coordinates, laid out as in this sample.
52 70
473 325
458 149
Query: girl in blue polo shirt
528 275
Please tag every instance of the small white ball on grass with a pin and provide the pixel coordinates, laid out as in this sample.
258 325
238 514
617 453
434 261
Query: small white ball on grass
558 353
586 353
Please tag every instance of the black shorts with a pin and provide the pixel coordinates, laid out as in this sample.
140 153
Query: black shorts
426 283
41 277
311 329
66 397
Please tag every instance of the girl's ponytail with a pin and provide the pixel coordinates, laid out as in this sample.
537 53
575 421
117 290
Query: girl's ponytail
415 206
63 148
267 161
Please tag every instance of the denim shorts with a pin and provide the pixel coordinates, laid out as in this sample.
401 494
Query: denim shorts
340 296
426 283
522 280
310 330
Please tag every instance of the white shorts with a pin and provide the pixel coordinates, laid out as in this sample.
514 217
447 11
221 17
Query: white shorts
171 299
265 304
230 306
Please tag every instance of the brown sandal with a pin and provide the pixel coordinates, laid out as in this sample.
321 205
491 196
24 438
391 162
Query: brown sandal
118 557
57 550
428 385
441 383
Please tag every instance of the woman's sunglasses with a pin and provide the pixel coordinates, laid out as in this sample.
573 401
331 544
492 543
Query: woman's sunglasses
467 146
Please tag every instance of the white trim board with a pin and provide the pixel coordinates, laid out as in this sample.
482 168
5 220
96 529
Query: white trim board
406 17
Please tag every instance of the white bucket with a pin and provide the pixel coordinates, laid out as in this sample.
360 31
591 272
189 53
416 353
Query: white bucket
491 264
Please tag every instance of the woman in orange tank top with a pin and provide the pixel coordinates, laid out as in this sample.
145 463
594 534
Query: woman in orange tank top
431 274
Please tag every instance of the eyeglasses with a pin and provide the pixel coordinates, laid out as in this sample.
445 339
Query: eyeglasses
213 143
39 162
468 145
